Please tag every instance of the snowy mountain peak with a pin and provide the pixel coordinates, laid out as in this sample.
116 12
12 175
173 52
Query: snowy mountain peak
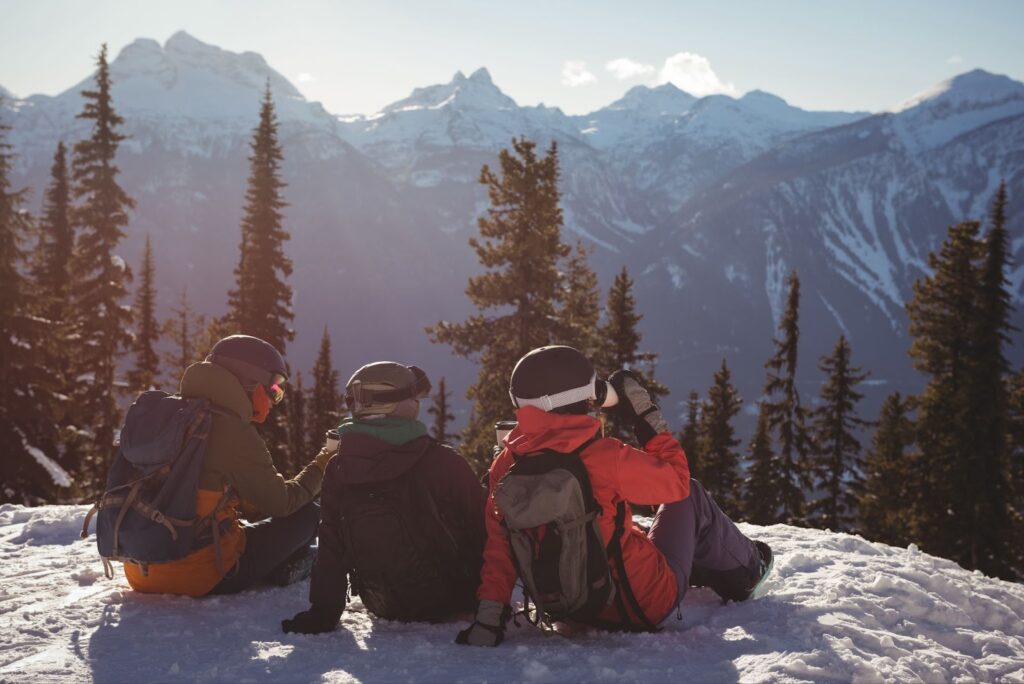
144 58
184 43
977 87
663 99
956 106
184 55
764 99
474 92
482 76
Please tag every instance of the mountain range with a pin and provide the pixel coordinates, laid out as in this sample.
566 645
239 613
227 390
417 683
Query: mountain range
709 202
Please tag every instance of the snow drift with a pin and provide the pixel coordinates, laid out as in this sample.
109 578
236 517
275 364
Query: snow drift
838 608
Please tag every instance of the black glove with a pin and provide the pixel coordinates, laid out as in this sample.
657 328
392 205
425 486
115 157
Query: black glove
316 620
635 405
488 628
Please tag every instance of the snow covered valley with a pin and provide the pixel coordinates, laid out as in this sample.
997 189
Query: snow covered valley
838 609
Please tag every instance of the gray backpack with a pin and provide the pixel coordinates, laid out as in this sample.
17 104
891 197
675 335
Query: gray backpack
551 518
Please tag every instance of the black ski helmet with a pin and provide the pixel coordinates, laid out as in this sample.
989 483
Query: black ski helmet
252 360
551 378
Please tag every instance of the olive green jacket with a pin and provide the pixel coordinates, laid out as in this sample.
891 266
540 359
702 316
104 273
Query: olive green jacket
236 455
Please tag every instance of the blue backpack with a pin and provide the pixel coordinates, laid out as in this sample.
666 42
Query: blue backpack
148 512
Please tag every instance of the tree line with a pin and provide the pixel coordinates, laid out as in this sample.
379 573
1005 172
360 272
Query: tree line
943 469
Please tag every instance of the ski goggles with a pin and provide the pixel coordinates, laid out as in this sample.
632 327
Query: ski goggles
276 389
358 396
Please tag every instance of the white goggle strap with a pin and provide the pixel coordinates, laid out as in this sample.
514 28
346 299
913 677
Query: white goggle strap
553 401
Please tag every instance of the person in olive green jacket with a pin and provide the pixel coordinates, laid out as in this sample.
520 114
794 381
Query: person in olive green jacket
242 378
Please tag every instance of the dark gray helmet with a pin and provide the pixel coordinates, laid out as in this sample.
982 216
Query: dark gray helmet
552 377
252 360
377 388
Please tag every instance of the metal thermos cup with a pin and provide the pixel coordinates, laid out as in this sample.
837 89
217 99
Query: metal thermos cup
606 394
502 428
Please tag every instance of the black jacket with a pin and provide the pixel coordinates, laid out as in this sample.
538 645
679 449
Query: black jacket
436 467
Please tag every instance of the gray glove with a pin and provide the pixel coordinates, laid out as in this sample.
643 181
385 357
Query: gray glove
635 404
488 628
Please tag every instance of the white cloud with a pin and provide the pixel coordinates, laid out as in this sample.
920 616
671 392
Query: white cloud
955 59
575 74
693 73
624 67
306 77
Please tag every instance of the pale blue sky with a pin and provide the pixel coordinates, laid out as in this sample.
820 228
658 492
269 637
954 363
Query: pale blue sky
358 55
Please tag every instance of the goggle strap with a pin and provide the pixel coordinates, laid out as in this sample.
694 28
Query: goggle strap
559 399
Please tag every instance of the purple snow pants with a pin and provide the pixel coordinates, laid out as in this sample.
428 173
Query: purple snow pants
703 547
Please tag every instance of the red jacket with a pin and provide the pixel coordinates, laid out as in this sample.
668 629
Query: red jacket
618 472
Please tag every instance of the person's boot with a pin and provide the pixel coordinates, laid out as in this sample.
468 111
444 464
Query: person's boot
767 563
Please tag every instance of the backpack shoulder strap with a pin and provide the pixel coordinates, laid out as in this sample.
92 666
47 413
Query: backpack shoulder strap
615 552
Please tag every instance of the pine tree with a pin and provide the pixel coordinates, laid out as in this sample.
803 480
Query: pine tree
992 524
442 412
27 425
959 324
212 329
1015 434
580 309
940 313
837 464
101 278
520 245
299 436
51 282
186 329
147 335
761 495
689 438
885 497
785 415
620 344
1015 448
260 303
325 403
719 471
52 264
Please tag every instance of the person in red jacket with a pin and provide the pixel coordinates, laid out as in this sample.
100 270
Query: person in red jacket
691 542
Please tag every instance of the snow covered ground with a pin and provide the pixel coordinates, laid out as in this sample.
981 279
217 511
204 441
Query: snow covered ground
838 609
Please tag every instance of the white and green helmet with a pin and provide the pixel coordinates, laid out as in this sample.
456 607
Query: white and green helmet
378 388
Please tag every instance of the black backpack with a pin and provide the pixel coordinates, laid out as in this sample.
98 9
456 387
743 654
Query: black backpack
551 518
405 561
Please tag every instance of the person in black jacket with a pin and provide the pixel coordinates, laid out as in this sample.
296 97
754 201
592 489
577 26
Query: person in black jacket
402 514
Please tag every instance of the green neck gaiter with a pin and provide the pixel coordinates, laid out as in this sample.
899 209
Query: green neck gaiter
388 429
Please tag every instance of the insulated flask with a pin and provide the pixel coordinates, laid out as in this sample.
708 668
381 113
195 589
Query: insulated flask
331 439
502 428
606 394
